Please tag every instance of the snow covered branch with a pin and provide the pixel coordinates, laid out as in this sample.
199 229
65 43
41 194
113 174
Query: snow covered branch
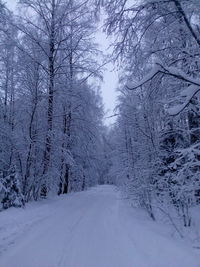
187 94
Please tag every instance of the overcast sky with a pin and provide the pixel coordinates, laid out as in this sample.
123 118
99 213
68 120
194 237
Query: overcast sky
110 79
110 76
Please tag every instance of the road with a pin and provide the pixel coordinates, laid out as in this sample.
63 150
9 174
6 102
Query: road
95 228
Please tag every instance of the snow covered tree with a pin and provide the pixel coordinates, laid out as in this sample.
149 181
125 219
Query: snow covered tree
10 189
51 119
157 44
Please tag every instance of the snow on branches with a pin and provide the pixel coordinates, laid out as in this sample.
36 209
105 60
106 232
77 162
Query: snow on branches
193 85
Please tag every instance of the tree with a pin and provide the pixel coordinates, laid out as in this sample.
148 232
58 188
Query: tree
11 190
156 42
51 121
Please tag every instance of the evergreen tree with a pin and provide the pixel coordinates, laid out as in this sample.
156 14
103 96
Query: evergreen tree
10 190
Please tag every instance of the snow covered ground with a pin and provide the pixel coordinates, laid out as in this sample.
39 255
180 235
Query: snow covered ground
89 229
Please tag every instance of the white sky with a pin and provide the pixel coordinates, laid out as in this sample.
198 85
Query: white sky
109 85
110 76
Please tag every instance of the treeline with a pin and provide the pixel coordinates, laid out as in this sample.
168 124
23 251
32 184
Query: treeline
50 114
156 139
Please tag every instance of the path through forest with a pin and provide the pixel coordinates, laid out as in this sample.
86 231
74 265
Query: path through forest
95 228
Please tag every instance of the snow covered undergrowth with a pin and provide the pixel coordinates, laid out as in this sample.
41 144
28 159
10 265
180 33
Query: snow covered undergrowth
172 224
96 228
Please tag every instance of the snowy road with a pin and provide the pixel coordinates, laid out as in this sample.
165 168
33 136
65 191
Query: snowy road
89 229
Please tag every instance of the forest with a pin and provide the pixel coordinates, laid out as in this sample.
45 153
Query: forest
53 138
51 115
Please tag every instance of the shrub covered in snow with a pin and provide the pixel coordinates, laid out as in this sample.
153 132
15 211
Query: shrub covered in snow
10 191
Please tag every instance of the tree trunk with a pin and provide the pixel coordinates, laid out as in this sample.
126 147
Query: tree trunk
48 142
